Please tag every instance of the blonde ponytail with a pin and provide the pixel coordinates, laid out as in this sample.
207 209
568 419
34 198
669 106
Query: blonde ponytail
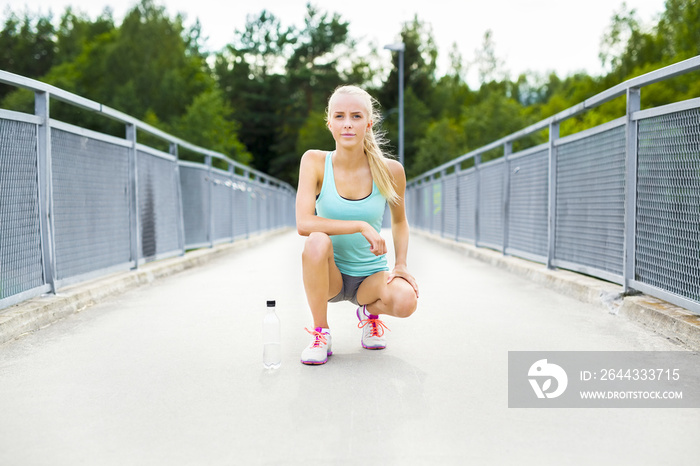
374 140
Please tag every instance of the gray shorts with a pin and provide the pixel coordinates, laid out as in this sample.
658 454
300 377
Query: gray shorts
349 290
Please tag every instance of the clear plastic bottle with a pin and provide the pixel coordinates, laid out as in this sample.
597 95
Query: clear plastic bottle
272 345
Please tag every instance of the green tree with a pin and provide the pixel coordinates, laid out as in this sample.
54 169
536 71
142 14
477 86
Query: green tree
314 134
623 43
75 31
678 30
150 67
26 46
313 73
629 47
147 66
417 120
208 123
493 116
420 63
489 66
278 80
313 66
251 74
444 140
143 66
451 92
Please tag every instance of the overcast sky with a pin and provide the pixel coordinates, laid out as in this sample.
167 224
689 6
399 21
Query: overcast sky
530 35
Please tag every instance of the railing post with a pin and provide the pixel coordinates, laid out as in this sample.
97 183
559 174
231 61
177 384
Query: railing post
248 191
210 197
458 168
424 207
270 202
134 195
507 151
45 185
633 105
266 203
553 136
231 173
279 205
419 203
432 203
261 203
477 196
442 203
180 208
275 210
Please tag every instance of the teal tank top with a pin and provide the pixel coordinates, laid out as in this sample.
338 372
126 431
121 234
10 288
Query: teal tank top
351 252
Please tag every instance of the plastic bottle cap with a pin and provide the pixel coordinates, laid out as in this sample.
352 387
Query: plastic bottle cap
271 303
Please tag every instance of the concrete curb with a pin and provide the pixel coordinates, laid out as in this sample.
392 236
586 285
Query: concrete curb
673 322
36 313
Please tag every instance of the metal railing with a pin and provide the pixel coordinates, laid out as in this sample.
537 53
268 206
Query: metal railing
76 204
620 201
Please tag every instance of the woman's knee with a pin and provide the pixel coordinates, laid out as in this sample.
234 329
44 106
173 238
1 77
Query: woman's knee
404 302
318 247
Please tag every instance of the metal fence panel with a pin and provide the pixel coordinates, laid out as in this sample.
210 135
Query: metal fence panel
436 207
195 204
264 212
528 205
427 205
291 209
491 204
590 201
668 203
159 213
254 210
467 205
421 207
284 208
275 210
241 205
449 206
91 204
411 202
222 206
21 266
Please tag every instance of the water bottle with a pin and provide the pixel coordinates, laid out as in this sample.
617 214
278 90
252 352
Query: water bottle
272 347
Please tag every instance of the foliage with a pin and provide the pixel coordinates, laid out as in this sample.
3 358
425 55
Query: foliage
420 58
207 123
443 140
314 134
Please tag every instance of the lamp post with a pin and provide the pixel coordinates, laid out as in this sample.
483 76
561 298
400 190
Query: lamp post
399 47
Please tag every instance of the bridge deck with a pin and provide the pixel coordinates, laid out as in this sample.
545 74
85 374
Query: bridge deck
171 373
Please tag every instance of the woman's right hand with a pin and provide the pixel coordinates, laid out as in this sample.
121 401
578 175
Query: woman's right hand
377 245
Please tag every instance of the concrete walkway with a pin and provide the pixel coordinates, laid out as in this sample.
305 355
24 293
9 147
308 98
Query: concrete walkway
170 374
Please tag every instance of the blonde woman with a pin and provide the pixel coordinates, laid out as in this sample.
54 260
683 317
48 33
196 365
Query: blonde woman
340 205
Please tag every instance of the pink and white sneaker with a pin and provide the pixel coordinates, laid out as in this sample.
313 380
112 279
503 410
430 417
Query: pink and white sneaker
320 347
372 329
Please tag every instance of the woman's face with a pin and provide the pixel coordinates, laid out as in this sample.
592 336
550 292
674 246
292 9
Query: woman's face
349 120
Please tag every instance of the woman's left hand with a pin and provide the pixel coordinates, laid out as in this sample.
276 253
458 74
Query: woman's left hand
401 271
